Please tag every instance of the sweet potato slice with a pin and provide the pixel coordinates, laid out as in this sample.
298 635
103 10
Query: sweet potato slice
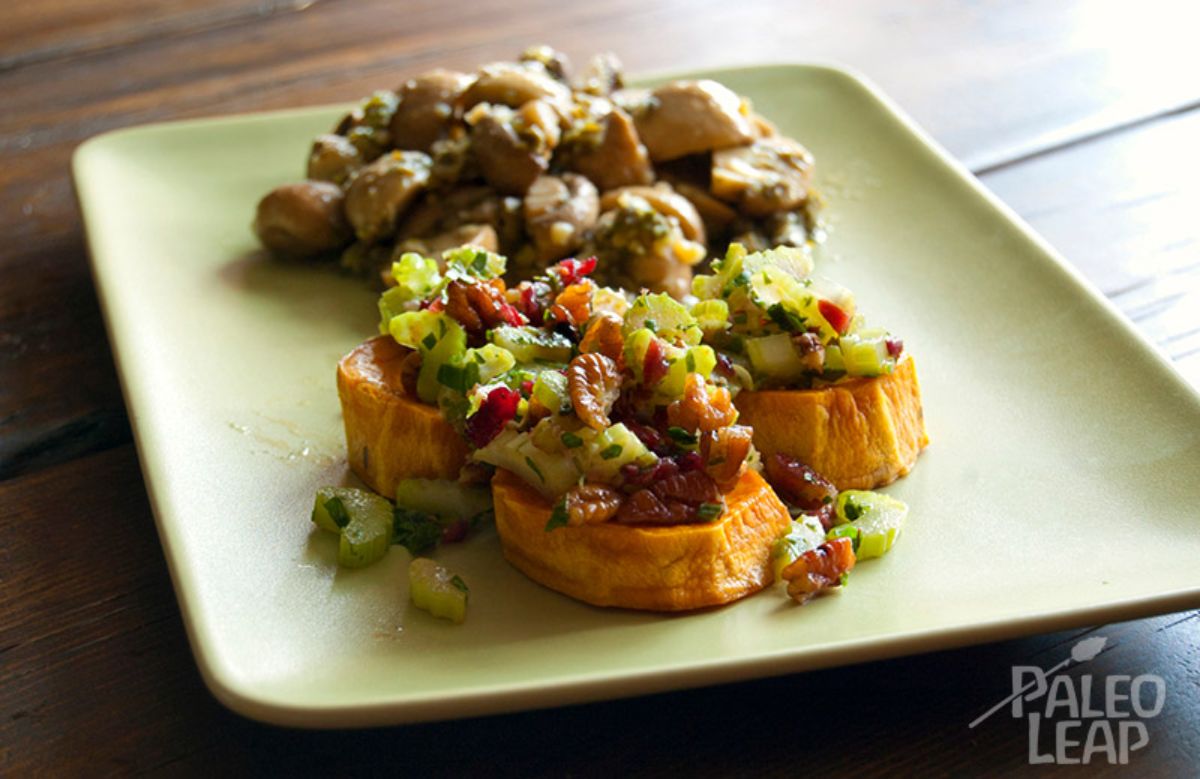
390 435
660 568
861 434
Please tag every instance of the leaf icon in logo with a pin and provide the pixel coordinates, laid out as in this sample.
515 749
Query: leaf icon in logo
1088 648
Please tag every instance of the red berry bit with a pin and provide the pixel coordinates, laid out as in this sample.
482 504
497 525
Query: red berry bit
572 270
837 318
894 346
654 365
456 531
798 484
497 410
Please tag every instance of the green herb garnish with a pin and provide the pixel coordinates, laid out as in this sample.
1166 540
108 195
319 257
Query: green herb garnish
459 584
559 516
709 511
533 467
681 436
787 320
337 512
852 510
416 531
460 378
571 441
429 341
845 531
610 452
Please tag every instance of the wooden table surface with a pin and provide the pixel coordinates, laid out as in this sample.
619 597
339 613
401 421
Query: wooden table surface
1083 116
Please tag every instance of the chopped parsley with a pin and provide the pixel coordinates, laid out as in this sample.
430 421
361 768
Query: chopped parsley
789 321
429 341
609 452
709 511
416 531
681 436
559 516
337 512
571 441
533 467
459 584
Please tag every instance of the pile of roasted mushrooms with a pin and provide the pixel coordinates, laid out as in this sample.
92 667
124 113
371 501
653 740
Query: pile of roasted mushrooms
524 160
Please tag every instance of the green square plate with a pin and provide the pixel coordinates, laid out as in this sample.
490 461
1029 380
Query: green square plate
1061 487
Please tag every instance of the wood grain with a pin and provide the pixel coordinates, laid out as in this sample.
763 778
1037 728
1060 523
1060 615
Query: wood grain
36 32
95 677
977 76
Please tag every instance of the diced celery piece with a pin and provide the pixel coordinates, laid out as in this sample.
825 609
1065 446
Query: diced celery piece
665 316
697 359
878 518
806 533
532 344
416 277
866 356
774 356
796 261
367 531
712 316
612 300
493 361
636 345
614 448
446 346
434 589
412 328
833 359
447 499
475 262
551 391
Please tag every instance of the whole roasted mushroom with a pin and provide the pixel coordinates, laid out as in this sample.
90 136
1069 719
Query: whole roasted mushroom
514 85
560 212
333 158
380 193
665 200
302 220
509 153
687 117
769 175
426 109
609 152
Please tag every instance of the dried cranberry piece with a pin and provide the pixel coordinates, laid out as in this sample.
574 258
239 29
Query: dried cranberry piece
894 346
654 366
653 439
527 387
837 318
724 366
456 531
512 316
498 408
570 271
690 461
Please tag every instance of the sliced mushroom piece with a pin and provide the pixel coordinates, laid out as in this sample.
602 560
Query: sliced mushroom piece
560 211
333 158
601 76
615 157
380 193
426 108
539 123
507 161
665 200
554 61
717 216
633 100
513 85
302 220
769 175
686 117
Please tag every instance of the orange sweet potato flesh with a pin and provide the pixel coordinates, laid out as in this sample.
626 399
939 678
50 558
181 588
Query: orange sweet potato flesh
860 434
389 435
659 568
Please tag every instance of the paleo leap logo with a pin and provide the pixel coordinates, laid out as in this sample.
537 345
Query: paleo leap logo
1078 721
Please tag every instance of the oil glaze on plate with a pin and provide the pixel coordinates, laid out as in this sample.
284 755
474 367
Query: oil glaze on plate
1060 488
